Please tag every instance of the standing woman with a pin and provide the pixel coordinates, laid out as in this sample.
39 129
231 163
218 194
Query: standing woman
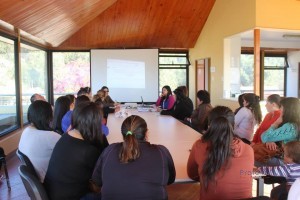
75 154
166 99
247 117
221 161
134 169
273 108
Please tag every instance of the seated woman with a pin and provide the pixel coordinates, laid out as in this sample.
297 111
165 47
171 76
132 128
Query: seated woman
241 103
99 97
221 161
109 106
198 119
166 100
134 169
285 129
66 120
273 108
183 106
75 154
61 107
85 91
247 117
108 102
38 139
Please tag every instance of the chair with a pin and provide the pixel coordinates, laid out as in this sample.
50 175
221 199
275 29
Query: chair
35 189
3 162
25 161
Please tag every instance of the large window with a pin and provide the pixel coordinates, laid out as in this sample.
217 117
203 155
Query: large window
71 70
274 74
173 69
34 75
8 105
247 73
273 77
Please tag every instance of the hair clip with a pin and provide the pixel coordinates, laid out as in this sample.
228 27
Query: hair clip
128 133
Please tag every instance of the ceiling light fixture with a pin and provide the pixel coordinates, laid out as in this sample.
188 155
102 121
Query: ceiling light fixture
287 36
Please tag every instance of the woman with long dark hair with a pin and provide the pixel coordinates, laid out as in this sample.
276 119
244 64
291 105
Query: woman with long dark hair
134 169
38 139
75 154
166 100
287 127
221 161
183 106
247 117
61 107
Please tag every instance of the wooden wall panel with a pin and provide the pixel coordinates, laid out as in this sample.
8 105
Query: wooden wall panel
53 20
86 24
144 24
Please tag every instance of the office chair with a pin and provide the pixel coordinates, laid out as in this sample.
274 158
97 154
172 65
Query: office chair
25 161
3 163
35 189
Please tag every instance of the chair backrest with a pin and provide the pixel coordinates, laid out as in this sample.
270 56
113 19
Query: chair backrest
35 189
25 161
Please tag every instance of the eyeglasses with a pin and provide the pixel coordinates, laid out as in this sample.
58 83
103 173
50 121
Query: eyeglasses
106 90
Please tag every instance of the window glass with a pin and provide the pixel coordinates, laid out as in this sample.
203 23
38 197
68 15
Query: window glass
34 75
71 70
173 61
173 78
8 108
273 82
246 73
278 62
173 69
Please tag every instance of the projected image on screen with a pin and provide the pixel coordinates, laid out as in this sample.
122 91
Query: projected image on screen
125 74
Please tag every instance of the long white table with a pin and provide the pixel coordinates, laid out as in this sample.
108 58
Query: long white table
164 130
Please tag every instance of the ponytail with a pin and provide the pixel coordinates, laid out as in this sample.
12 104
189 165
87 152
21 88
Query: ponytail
254 106
130 148
133 129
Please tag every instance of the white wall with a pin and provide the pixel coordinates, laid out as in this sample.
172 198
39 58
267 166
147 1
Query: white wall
292 74
232 55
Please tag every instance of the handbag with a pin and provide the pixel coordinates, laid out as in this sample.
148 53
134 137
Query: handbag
263 154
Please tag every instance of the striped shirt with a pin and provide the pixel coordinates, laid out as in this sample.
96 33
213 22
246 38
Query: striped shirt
290 171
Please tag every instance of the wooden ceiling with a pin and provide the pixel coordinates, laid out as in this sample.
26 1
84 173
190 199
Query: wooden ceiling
87 24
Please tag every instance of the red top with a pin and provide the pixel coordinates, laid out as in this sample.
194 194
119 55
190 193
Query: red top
233 181
269 119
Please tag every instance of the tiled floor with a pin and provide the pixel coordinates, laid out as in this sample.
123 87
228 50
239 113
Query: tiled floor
175 191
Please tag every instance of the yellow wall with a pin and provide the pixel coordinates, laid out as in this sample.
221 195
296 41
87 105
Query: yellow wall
228 17
281 14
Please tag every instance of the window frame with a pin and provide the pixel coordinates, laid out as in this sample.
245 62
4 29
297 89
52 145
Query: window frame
17 83
47 73
179 66
263 67
51 80
263 54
